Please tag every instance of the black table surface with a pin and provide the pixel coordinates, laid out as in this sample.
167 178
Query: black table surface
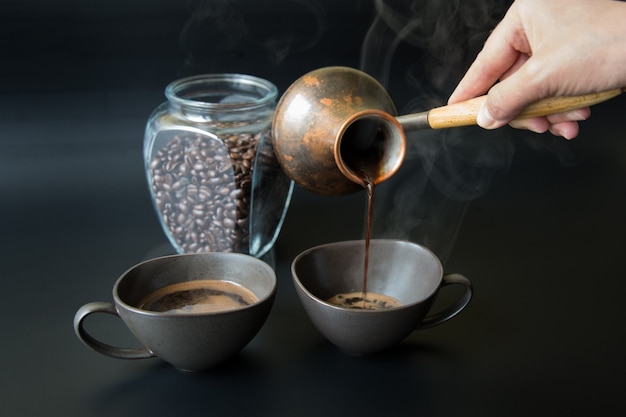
544 246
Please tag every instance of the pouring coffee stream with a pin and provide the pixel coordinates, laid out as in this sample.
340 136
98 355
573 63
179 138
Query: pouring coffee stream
334 126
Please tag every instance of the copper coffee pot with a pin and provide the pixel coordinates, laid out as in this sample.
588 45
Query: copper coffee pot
336 128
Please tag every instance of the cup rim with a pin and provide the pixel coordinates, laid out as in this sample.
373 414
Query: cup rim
408 305
261 300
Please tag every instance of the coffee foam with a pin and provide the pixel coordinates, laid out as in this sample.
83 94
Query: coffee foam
360 301
199 296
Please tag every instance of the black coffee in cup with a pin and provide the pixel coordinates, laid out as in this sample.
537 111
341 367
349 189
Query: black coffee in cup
364 301
199 296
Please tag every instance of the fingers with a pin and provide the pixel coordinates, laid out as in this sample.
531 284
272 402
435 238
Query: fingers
567 130
571 116
563 124
513 94
479 78
534 124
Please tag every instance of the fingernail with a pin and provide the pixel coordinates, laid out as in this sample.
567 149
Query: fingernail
577 115
484 119
564 133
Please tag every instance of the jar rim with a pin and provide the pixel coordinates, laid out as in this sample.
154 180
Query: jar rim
187 91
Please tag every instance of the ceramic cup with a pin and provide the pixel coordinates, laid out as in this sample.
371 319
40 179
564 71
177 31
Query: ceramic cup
406 271
187 339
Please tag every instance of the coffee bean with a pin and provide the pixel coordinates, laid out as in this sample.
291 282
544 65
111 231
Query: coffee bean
202 188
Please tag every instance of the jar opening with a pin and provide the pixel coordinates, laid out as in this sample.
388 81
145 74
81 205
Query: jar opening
221 92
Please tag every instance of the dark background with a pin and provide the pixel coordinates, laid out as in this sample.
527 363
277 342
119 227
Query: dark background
537 223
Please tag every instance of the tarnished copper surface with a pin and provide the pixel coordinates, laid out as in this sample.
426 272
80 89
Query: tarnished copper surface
309 119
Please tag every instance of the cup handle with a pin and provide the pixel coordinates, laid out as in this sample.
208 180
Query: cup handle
454 309
103 348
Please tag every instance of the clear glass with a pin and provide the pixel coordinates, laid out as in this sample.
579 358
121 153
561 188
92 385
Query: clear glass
213 177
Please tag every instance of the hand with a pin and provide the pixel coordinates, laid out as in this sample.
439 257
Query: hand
546 49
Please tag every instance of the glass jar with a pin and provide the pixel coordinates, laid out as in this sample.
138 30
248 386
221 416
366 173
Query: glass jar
213 177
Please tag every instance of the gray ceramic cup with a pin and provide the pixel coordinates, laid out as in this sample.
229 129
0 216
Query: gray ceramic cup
403 270
192 341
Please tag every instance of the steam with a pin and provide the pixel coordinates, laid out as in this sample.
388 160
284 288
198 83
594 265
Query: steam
219 32
442 36
419 50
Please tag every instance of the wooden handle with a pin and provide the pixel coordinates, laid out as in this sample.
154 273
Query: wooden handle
464 113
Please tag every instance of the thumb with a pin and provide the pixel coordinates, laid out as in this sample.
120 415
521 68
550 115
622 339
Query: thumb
506 99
